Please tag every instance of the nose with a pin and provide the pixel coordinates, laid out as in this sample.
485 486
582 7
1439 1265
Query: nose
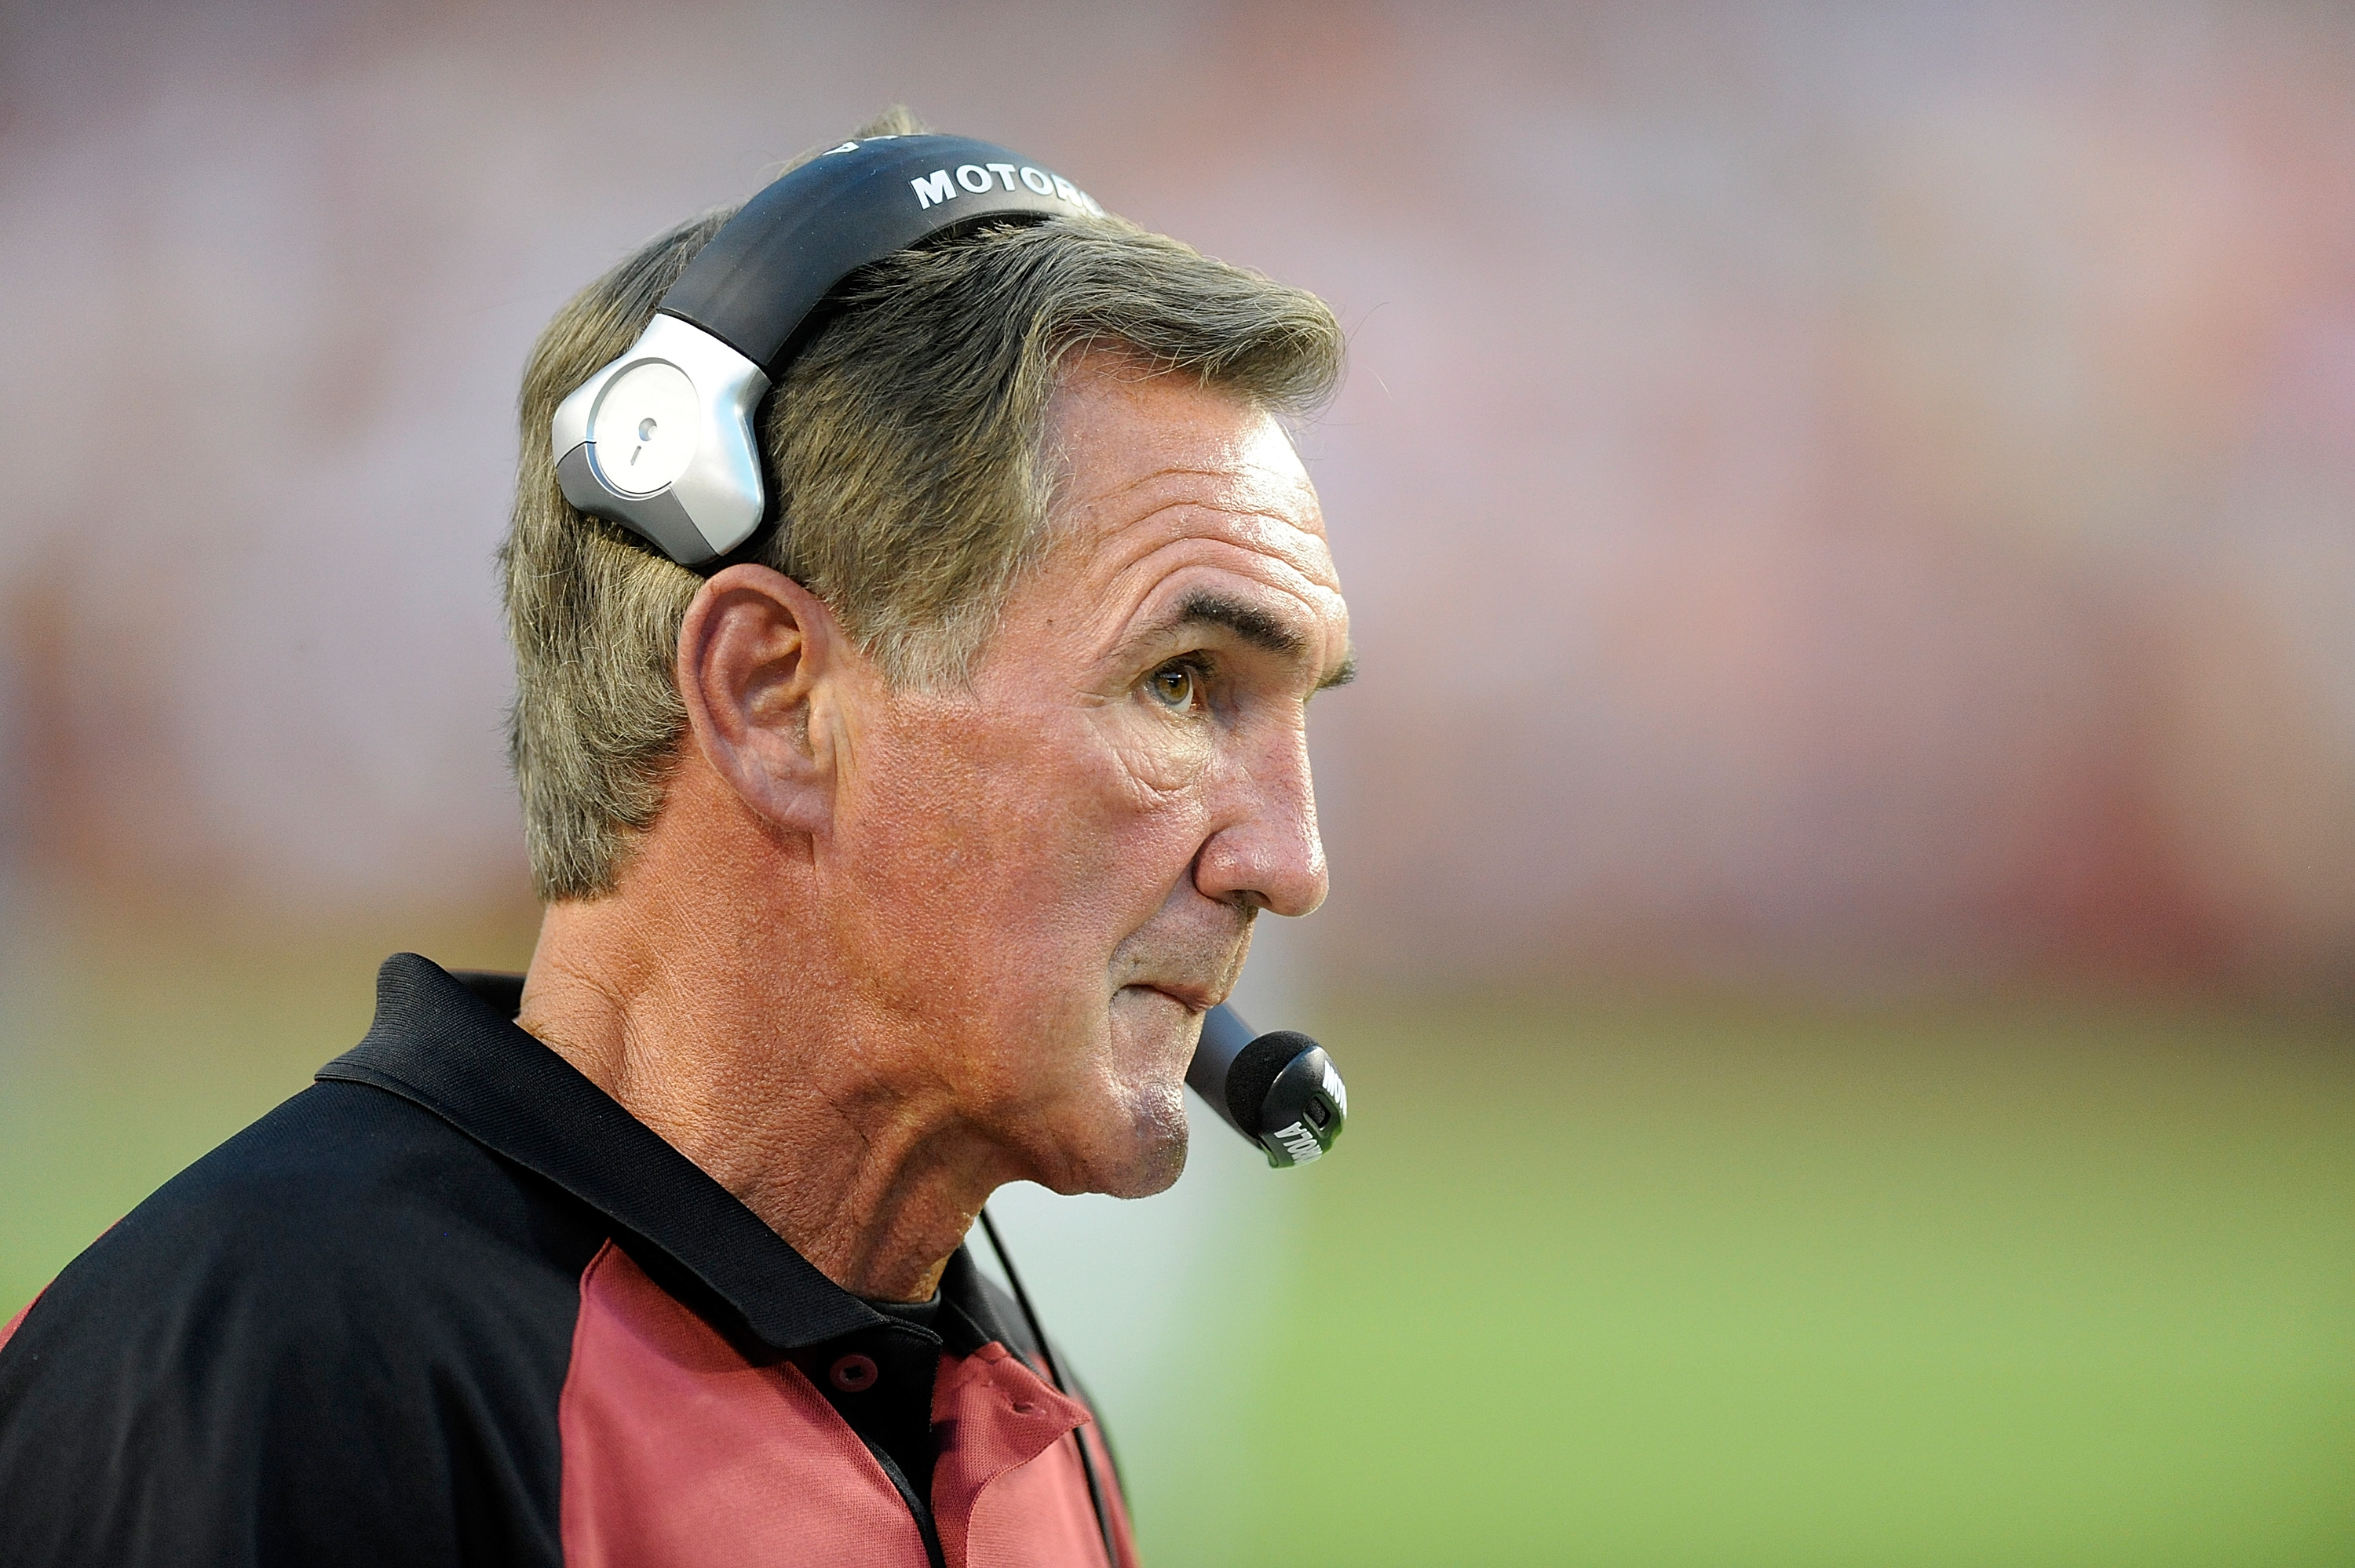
1265 852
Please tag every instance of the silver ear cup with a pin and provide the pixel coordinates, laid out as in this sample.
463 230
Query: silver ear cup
644 430
661 441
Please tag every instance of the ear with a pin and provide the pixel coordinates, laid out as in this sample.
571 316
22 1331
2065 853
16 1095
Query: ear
759 660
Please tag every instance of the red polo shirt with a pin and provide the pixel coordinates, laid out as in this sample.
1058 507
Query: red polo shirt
453 1304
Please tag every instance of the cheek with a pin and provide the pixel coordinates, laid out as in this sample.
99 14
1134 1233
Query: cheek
1011 851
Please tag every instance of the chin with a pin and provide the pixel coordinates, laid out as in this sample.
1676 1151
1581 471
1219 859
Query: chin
1135 1154
1120 1130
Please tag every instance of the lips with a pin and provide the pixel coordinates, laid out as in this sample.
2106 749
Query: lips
1192 997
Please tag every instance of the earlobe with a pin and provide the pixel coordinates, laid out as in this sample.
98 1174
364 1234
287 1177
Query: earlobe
756 661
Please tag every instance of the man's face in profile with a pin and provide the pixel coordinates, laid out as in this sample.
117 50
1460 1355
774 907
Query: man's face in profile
1061 861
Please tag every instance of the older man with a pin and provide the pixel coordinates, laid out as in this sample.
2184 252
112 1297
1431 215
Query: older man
897 858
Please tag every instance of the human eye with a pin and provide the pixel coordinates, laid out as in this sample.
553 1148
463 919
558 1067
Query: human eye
1177 685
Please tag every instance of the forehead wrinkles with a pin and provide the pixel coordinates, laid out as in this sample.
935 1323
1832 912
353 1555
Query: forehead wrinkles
1147 487
1271 510
1265 546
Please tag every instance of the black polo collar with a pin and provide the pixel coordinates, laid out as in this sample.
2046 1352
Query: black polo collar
451 1046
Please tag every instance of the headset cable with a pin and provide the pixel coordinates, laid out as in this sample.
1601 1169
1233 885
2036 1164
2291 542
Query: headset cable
1055 1376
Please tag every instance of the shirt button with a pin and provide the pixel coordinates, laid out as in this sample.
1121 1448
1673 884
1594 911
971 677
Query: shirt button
853 1374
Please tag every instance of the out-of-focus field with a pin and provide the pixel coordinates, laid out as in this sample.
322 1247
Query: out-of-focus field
1667 1282
127 1049
1685 1285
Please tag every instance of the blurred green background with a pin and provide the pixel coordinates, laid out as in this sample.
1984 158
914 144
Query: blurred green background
1672 1283
1843 930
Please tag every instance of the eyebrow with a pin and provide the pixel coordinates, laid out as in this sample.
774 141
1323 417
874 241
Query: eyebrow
1253 625
1256 626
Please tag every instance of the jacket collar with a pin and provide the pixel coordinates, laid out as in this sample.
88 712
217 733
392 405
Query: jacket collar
450 1045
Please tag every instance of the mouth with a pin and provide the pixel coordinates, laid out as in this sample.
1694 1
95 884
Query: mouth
1194 999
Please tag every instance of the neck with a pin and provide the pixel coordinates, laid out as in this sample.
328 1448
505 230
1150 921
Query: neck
783 1087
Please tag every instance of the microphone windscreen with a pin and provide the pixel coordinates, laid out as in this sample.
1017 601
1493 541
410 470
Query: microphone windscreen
1255 1073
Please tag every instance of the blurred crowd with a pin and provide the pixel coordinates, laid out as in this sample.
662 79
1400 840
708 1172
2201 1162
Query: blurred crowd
1857 498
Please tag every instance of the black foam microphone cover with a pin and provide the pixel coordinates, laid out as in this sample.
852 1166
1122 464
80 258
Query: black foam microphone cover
1279 1090
1254 1074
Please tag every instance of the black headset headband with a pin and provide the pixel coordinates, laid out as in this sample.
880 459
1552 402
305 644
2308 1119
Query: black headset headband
661 440
762 275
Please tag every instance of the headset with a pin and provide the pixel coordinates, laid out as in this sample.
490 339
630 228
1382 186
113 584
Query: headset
661 442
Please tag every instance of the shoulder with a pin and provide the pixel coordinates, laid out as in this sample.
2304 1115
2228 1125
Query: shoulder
346 1208
286 1345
